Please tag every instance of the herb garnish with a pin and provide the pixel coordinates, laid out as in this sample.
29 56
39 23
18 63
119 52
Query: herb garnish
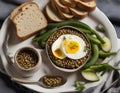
79 86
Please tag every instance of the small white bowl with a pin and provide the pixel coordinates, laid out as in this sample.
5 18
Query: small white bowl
29 71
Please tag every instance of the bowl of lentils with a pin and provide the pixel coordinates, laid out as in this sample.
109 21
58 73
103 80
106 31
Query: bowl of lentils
27 60
68 49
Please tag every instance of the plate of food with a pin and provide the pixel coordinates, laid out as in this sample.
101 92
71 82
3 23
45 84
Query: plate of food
58 45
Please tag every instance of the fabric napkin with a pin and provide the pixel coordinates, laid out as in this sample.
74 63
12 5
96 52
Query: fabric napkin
110 7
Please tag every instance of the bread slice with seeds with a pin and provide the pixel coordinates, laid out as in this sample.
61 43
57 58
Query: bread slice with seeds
29 20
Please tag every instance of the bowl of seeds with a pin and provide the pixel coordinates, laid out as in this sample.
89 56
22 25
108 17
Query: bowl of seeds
68 49
27 61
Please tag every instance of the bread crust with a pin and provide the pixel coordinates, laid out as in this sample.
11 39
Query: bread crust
86 5
16 10
79 13
87 0
61 7
19 10
68 3
65 15
49 8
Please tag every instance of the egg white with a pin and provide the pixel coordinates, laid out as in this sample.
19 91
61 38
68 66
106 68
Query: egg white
81 53
59 44
56 45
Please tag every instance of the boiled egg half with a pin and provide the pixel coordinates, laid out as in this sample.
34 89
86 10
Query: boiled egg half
70 46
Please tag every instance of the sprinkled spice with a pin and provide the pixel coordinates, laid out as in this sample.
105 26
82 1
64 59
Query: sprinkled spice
27 58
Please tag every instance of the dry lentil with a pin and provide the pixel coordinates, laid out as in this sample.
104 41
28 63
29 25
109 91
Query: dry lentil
52 81
26 58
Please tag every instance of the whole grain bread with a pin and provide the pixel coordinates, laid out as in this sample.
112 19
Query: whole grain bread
68 3
52 13
68 9
61 7
17 10
78 13
28 20
65 15
62 14
88 6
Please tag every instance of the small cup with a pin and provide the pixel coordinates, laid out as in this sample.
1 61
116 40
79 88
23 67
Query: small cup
27 61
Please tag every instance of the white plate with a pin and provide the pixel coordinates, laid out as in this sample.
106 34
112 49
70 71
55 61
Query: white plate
7 32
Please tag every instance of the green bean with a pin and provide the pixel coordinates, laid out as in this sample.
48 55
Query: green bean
43 31
38 36
102 67
98 36
46 36
94 57
85 31
94 40
69 22
39 39
106 54
76 24
42 44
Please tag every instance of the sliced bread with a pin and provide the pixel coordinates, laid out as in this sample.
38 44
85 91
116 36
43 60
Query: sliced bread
61 7
62 14
78 13
52 13
29 20
17 10
68 3
86 0
65 15
88 6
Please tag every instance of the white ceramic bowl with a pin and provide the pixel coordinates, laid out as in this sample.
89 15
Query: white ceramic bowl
29 71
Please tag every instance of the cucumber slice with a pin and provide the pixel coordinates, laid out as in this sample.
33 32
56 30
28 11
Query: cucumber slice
107 46
90 76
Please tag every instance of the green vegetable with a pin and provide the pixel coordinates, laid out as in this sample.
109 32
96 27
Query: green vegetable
69 22
103 67
43 31
107 45
77 24
93 39
39 35
45 37
79 86
98 36
85 31
90 76
106 54
94 57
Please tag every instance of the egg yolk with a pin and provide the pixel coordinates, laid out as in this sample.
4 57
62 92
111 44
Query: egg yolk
58 53
71 47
